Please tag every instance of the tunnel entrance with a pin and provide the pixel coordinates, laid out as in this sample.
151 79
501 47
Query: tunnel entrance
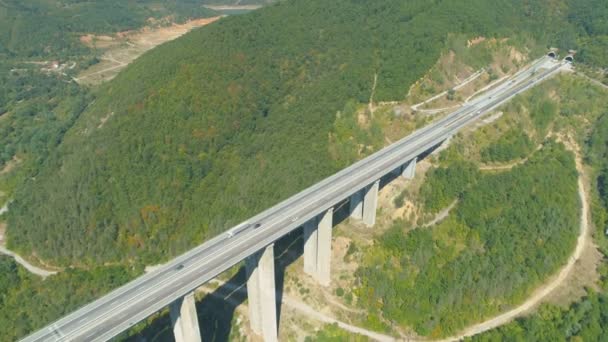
552 54
569 58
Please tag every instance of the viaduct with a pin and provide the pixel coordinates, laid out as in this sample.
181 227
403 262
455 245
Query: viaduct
253 241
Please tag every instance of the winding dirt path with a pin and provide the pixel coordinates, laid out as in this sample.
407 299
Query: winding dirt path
468 80
546 289
441 215
302 308
593 80
511 165
31 268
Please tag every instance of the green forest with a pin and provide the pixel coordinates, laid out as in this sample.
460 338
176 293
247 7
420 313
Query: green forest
52 28
333 333
586 320
589 33
36 110
28 302
597 156
207 130
514 144
509 231
202 136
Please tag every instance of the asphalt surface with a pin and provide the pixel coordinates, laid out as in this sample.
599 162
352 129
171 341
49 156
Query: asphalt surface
117 311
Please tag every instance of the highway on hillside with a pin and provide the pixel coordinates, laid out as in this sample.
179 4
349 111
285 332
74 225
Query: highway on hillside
117 311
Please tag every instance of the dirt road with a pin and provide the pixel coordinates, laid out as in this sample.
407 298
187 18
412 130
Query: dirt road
308 312
546 289
31 268
442 215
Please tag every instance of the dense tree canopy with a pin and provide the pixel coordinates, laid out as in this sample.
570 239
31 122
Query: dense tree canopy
27 302
51 28
509 231
206 130
586 320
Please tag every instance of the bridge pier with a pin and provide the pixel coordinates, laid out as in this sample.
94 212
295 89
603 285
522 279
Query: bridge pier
262 294
317 247
370 204
409 169
311 247
356 205
184 319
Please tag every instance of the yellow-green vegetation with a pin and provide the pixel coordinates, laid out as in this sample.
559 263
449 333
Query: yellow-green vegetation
465 55
28 302
444 184
357 132
333 333
509 231
583 108
515 144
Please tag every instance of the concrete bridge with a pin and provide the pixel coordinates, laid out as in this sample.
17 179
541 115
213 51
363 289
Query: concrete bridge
253 240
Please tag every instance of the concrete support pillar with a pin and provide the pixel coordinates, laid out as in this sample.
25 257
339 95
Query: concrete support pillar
311 244
317 247
370 204
324 249
184 319
409 169
261 294
356 205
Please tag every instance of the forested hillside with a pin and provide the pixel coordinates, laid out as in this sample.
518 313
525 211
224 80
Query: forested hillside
586 320
36 110
209 129
28 303
40 28
590 31
470 266
228 120
597 155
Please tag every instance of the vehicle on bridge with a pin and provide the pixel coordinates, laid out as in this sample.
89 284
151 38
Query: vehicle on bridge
237 230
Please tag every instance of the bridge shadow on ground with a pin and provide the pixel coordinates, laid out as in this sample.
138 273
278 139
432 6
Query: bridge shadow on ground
216 310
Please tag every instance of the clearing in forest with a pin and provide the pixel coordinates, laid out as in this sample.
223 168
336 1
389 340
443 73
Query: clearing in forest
125 47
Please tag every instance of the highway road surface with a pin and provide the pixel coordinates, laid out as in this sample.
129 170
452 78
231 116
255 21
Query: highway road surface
117 311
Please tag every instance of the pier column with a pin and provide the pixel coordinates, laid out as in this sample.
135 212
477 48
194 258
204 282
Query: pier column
184 319
324 249
370 204
409 169
317 247
261 294
311 244
356 205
